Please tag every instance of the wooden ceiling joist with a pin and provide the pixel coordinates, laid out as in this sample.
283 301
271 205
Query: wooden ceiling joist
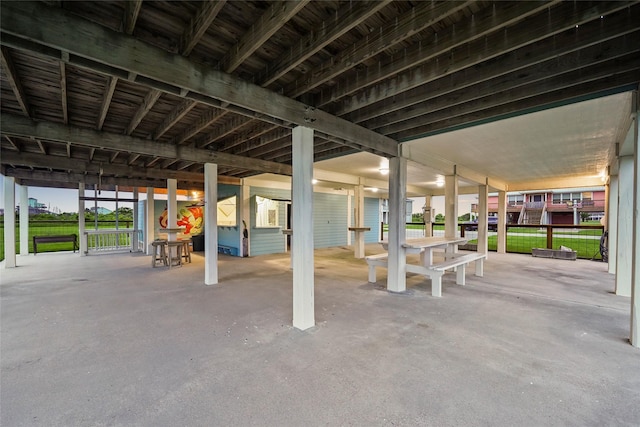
174 117
131 12
13 125
267 25
345 19
46 26
199 25
147 104
14 80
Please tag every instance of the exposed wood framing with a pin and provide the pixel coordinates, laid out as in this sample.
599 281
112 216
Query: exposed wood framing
110 87
96 43
174 117
14 80
206 120
199 25
13 143
131 12
147 104
63 93
345 19
19 126
420 17
267 25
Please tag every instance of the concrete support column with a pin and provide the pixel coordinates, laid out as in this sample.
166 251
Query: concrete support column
349 217
634 337
450 206
502 222
244 215
612 223
428 219
302 226
172 203
210 224
9 222
81 225
134 241
397 278
625 227
359 216
483 215
150 221
24 220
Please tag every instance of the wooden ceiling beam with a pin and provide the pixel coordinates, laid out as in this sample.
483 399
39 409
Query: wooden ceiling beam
63 92
489 20
14 80
147 104
14 144
563 17
278 14
33 25
199 25
109 88
569 70
348 17
74 177
420 17
207 119
131 12
275 135
260 129
591 33
235 124
173 117
13 125
79 166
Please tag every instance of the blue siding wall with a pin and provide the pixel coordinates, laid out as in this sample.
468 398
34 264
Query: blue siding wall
230 236
372 219
267 240
329 220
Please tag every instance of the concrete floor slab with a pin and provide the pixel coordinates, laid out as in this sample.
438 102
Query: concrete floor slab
107 340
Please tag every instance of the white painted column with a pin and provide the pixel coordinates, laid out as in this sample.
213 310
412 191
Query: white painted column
210 224
397 277
634 336
428 219
483 219
134 241
359 235
349 223
451 206
244 210
150 221
302 226
24 220
9 222
612 223
625 227
82 239
172 204
502 222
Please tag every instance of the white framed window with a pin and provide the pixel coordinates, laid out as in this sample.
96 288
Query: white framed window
267 212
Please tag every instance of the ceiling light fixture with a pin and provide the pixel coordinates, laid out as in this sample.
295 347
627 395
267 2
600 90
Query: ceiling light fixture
384 171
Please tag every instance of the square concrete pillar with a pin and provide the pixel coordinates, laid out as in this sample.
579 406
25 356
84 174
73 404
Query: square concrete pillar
397 276
483 219
81 223
302 226
9 222
502 222
210 224
150 221
24 220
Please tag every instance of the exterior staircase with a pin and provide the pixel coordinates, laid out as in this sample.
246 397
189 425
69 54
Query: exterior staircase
532 213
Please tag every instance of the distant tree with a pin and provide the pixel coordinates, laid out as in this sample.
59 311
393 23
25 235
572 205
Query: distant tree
584 216
439 218
417 217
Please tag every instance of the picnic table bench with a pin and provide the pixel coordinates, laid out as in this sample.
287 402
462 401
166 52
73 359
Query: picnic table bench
55 239
428 268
